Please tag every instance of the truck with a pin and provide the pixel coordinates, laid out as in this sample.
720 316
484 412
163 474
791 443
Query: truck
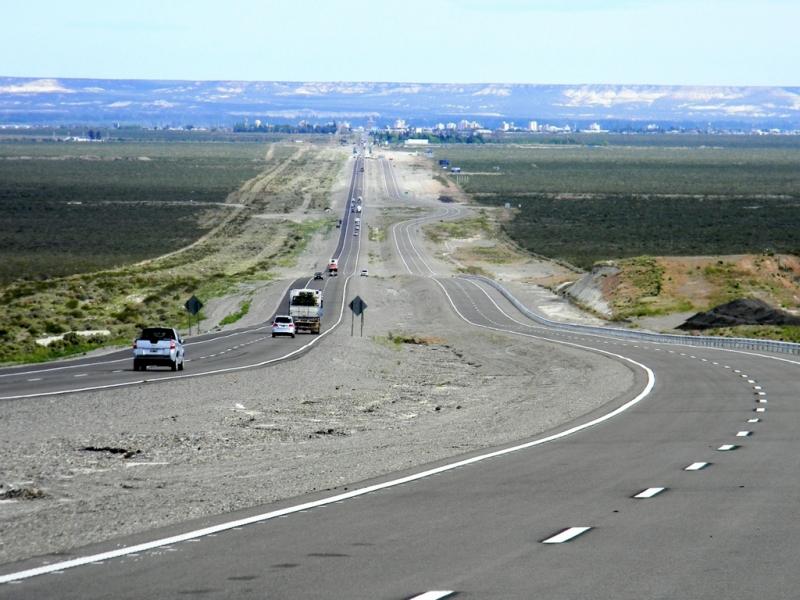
305 308
333 267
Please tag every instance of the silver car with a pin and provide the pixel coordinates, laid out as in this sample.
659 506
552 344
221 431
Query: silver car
283 325
161 346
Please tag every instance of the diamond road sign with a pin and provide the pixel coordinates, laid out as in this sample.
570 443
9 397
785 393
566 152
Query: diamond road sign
193 305
357 305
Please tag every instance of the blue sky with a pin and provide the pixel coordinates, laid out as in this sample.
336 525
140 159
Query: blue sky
698 42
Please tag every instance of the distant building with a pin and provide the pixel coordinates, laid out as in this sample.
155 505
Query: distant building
533 126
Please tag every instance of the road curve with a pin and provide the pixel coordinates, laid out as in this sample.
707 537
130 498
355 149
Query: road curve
683 488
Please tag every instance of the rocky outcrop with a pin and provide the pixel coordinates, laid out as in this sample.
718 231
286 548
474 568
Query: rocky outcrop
745 311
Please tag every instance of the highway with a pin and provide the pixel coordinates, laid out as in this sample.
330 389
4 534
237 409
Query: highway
683 488
205 354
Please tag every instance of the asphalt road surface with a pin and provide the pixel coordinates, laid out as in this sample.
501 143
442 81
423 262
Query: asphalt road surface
685 488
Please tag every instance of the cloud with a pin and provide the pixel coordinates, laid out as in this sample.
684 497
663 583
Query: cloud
36 86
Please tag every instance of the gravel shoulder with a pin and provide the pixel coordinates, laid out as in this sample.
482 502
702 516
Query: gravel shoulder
128 460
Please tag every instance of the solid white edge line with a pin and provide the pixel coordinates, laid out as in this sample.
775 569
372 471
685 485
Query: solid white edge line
433 595
566 535
650 492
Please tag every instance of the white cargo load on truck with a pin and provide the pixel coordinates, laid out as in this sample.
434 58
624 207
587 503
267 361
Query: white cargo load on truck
305 307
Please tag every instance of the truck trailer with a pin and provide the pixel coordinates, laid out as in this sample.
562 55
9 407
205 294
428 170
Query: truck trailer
305 307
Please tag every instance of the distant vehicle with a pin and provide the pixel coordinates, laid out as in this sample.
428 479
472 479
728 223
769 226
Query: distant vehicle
355 232
283 325
358 209
333 267
360 199
158 346
339 224
305 307
455 170
318 275
364 273
357 221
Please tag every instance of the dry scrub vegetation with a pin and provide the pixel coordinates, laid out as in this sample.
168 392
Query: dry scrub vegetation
238 246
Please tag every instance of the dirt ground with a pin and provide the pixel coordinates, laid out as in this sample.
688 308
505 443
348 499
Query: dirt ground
104 464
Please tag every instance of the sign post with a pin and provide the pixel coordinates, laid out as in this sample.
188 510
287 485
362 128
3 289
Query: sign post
193 306
358 306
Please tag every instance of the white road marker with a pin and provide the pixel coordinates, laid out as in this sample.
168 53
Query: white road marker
726 447
756 387
435 595
761 410
650 492
35 379
566 535
751 381
761 393
735 370
696 466
761 400
81 375
743 433
756 420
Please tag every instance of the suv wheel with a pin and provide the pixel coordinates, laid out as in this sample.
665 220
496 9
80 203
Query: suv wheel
174 365
180 366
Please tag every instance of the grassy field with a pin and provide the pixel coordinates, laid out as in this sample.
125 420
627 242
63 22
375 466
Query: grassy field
583 204
238 244
71 208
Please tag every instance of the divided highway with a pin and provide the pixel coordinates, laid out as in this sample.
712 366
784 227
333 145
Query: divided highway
684 488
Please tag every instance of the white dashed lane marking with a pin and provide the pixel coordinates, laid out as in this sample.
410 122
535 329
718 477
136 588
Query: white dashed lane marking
727 447
566 535
761 409
434 595
696 466
80 375
35 379
650 492
756 420
743 433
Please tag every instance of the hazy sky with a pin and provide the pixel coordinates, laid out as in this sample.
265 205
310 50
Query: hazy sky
693 42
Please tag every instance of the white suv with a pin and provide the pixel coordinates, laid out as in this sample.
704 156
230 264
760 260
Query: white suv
158 346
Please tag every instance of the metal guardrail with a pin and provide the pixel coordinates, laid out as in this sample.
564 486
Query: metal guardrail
648 336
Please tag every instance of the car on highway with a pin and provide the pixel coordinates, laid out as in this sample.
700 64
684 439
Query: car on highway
364 272
355 232
283 325
318 275
161 346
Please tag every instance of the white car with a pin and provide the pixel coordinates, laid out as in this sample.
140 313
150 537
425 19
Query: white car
158 346
364 273
283 325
